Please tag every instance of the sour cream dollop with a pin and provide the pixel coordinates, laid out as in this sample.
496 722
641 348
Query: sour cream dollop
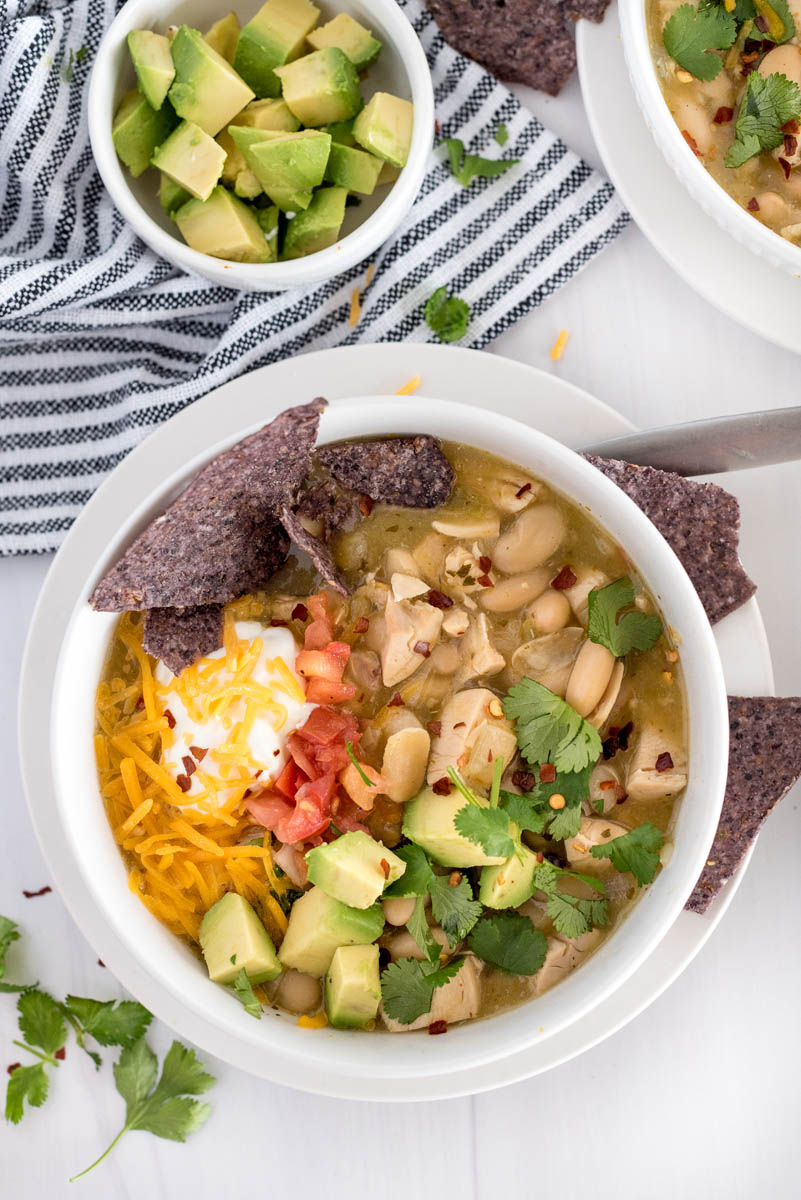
231 715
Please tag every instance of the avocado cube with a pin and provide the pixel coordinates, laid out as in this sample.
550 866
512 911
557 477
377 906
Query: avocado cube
268 114
223 36
192 159
353 169
224 227
384 127
428 820
354 869
137 129
341 132
171 195
353 987
206 89
275 36
152 60
318 227
322 87
233 939
268 220
511 883
236 173
348 36
287 165
318 925
259 114
388 174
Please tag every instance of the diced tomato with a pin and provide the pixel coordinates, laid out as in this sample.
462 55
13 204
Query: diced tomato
312 811
340 650
317 635
347 817
325 726
319 664
268 809
331 758
290 780
301 753
318 607
323 691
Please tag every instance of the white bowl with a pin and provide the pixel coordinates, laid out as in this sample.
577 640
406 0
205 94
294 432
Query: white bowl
401 69
703 188
275 1047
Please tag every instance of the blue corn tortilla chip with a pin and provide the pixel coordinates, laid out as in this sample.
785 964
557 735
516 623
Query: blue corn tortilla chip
178 636
411 472
316 549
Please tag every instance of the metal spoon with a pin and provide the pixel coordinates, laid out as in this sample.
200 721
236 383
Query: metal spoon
757 439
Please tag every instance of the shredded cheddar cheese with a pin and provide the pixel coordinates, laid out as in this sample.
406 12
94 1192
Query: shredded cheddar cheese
409 387
318 1021
558 348
355 307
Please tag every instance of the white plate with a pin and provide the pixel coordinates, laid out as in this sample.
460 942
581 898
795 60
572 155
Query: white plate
748 289
519 391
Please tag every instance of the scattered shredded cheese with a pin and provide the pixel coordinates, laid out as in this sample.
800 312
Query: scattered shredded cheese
409 387
558 348
369 276
355 307
318 1021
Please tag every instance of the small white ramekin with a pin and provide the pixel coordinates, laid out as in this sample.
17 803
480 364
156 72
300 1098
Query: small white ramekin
401 69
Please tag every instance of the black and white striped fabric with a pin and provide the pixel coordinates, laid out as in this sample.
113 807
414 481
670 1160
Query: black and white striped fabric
101 340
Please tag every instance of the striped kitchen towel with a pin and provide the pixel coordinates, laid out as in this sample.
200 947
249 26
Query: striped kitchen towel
101 340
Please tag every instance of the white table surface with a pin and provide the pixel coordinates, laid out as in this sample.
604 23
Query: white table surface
699 1097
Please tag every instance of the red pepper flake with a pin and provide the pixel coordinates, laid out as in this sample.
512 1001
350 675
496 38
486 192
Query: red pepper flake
606 784
184 782
190 766
540 856
442 787
198 752
664 762
723 115
785 166
438 1027
31 895
485 581
753 204
12 1067
247 792
547 773
750 57
524 780
459 725
276 623
61 1054
691 142
436 126
365 505
620 794
565 579
790 126
384 865
439 599
170 718
434 728
140 703
485 563
397 701
362 625
100 963
790 144
522 491
618 739
454 879
300 613
423 648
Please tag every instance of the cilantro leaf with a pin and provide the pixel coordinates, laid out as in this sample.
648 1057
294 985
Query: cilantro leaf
573 917
418 874
41 1021
447 315
509 941
467 167
442 974
109 1025
407 987
25 1083
165 1110
637 851
633 630
501 134
244 990
565 823
690 34
524 811
532 810
549 730
421 932
778 20
9 932
487 827
454 907
766 106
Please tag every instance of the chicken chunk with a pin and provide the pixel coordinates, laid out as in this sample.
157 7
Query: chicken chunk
549 659
471 738
645 780
563 956
588 578
479 655
406 625
457 1000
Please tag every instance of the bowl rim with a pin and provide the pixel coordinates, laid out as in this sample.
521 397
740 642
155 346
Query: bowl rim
702 186
313 268
382 414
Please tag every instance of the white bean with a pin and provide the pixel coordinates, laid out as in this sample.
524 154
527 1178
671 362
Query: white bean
782 60
530 540
549 612
514 592
772 209
398 909
298 992
589 678
691 118
445 658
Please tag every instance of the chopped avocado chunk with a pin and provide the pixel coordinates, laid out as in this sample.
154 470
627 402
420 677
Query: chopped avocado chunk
510 884
287 165
236 173
318 925
354 869
259 114
223 36
233 939
350 37
353 169
318 227
276 35
224 227
428 820
322 87
341 132
384 127
138 129
268 220
191 158
353 987
171 195
152 60
206 89
388 174
268 114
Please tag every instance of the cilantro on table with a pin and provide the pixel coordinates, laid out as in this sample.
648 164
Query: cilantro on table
166 1109
767 105
501 134
488 828
509 941
571 916
42 1025
691 34
612 622
110 1023
9 933
453 906
549 730
407 987
532 810
447 316
467 167
29 1084
637 852
244 991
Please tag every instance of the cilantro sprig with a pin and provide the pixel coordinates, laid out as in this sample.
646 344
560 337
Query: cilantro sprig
571 916
549 730
9 933
691 36
109 1022
488 828
532 810
245 994
637 852
467 167
453 906
613 623
767 105
509 941
446 315
408 986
